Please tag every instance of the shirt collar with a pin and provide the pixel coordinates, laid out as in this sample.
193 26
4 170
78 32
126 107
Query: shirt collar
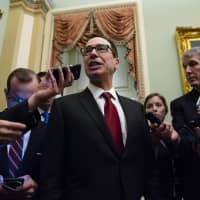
40 110
97 92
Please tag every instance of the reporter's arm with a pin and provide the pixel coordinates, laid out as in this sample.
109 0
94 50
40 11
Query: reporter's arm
10 131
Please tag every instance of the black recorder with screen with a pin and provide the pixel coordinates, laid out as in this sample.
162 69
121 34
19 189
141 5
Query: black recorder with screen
12 183
75 69
152 118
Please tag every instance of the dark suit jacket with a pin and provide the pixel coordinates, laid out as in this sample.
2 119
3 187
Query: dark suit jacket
183 111
31 161
162 182
20 113
81 159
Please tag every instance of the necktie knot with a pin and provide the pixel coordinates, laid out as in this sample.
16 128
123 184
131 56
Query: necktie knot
46 117
107 95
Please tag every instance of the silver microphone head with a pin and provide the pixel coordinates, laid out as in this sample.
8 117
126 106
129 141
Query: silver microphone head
198 102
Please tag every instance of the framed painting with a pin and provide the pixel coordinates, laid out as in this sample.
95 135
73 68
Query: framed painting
186 37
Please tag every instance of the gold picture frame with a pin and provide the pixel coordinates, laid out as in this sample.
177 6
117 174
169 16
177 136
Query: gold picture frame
186 37
1 13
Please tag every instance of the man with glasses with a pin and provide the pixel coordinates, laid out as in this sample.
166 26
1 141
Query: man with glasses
98 146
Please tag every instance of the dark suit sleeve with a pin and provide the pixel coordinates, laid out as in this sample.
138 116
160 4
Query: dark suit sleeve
52 165
180 123
183 110
20 113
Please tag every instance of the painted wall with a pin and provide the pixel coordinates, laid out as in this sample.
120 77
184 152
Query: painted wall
161 18
4 6
160 21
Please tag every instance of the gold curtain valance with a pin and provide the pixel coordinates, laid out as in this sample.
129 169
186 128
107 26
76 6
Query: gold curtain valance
69 28
116 24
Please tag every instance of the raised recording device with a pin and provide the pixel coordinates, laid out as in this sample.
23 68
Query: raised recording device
75 69
152 118
12 183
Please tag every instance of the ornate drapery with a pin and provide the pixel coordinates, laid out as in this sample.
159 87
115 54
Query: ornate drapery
117 24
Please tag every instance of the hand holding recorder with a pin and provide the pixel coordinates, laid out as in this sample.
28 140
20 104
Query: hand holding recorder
74 69
18 188
65 75
160 129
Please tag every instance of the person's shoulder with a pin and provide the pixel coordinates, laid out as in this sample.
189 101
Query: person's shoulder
178 99
71 97
181 98
68 97
130 100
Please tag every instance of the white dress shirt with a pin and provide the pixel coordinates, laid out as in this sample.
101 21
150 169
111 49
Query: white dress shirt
26 137
97 94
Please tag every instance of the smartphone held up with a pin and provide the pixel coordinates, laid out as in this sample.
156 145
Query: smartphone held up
11 184
75 69
152 118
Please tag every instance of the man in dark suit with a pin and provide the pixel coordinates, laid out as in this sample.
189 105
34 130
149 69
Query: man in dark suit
82 158
23 97
21 84
28 118
186 120
9 129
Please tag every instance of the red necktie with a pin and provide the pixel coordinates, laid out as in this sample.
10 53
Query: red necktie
113 122
15 156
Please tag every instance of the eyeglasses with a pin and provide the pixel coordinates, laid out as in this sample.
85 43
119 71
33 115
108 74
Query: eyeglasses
100 48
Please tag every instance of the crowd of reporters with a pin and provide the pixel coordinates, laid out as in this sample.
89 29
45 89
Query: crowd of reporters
176 147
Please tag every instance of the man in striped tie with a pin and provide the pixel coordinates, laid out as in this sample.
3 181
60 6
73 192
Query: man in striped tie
22 157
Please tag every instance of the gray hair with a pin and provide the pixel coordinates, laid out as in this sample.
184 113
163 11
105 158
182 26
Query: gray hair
191 52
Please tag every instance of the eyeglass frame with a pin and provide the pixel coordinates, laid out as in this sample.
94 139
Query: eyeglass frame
106 46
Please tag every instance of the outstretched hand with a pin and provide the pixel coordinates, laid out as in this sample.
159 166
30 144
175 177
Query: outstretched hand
49 88
24 192
10 131
165 131
46 90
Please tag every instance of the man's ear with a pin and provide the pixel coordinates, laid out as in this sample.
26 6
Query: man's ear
116 63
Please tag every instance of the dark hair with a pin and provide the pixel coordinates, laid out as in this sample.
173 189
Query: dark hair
41 75
112 44
23 75
155 94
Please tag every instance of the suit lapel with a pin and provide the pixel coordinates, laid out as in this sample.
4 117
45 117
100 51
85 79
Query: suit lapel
131 122
34 145
91 107
4 161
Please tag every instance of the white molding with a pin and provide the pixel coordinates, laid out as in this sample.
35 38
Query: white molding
92 6
25 41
